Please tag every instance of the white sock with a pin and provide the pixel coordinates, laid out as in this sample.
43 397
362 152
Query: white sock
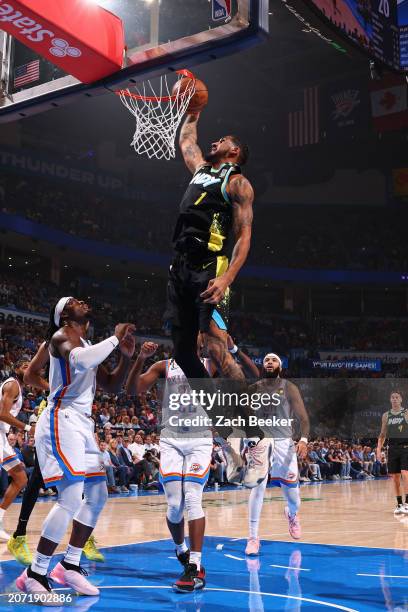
41 563
181 548
2 512
292 497
195 558
256 498
73 555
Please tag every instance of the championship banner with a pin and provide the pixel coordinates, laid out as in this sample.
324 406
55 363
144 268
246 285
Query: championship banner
10 316
371 365
79 36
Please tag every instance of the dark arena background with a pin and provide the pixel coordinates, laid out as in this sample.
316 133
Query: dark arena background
318 91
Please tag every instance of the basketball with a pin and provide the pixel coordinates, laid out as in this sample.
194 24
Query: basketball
200 97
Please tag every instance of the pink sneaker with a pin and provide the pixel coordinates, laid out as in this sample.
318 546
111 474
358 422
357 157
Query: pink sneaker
253 546
73 579
31 585
295 529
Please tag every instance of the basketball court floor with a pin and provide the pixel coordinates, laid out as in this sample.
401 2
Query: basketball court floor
353 555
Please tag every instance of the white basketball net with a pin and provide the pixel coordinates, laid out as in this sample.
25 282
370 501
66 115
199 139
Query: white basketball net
158 115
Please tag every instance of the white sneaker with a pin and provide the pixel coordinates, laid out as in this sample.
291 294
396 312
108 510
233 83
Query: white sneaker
235 463
405 508
76 580
4 536
257 458
400 509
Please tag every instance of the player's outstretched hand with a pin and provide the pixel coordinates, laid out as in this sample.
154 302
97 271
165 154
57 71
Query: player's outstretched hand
148 349
215 291
301 449
123 329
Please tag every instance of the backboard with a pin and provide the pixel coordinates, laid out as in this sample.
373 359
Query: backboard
160 35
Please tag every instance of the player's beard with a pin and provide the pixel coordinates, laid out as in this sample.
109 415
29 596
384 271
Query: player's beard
212 157
271 374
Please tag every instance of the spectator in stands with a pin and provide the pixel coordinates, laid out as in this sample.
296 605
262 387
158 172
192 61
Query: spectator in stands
119 469
217 466
109 467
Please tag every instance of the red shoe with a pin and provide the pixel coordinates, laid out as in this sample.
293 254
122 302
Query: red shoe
190 580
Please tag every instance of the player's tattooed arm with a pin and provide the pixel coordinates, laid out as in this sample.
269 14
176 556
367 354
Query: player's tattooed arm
382 436
298 407
242 197
192 154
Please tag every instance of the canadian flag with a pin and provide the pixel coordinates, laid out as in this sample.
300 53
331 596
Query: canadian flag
389 103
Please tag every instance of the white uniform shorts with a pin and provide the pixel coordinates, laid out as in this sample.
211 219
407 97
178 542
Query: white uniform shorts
185 459
284 464
66 446
8 457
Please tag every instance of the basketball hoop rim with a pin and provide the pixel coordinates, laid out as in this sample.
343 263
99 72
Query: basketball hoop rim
130 94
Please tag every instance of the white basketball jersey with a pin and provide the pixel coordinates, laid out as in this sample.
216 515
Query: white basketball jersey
16 407
70 387
176 374
177 383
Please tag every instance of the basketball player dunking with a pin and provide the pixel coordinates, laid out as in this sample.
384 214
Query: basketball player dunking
11 400
185 457
67 451
283 451
394 426
216 207
216 204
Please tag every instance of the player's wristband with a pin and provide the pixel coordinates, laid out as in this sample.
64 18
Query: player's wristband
303 440
27 428
234 349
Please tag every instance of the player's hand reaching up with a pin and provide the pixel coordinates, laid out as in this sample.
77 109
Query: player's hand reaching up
148 349
127 345
215 291
123 329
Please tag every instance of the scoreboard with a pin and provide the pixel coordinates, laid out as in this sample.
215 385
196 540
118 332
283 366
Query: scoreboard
377 28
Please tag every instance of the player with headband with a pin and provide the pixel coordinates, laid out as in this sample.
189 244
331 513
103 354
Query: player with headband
286 405
67 451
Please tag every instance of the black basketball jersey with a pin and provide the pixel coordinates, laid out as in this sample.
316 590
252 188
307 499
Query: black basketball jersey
205 221
397 427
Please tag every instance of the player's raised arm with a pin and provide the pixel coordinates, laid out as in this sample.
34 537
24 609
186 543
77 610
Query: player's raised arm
113 381
138 382
242 197
192 154
33 374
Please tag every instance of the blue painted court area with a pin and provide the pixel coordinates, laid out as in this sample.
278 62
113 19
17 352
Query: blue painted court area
287 576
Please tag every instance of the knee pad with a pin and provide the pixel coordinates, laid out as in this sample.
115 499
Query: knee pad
95 497
57 521
175 500
193 493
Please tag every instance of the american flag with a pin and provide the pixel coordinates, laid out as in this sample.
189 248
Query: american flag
27 73
303 123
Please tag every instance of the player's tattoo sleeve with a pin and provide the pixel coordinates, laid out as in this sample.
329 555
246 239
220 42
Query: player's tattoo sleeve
192 154
242 197
298 407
